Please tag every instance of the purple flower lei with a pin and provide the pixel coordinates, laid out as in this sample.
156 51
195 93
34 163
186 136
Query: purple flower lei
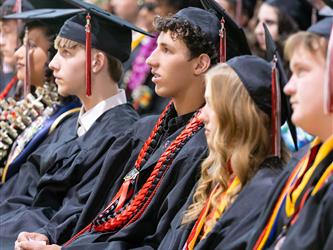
140 69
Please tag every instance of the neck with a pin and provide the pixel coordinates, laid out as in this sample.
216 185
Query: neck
326 130
100 92
191 100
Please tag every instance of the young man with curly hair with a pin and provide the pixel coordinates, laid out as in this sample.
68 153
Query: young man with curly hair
160 156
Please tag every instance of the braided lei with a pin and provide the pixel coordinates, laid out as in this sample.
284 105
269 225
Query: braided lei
120 213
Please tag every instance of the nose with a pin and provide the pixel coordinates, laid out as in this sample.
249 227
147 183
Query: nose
2 39
19 53
203 115
151 60
259 29
290 87
54 65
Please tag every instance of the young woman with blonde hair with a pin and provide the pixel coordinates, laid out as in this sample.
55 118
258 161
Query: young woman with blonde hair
240 167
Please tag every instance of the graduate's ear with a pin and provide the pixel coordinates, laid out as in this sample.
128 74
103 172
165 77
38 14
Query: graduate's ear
201 64
98 61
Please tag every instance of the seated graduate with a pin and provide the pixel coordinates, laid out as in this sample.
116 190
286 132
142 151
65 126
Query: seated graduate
159 173
57 167
240 167
298 214
26 123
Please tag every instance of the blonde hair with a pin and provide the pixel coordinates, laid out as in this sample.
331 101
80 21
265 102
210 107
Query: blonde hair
242 138
314 43
61 42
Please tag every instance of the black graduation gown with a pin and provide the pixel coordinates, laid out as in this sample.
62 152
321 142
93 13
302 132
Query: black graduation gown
314 226
70 166
231 230
176 186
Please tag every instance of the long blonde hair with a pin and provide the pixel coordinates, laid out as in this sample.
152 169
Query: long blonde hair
242 138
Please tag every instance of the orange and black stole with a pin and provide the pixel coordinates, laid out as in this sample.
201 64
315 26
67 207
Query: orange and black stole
126 207
310 174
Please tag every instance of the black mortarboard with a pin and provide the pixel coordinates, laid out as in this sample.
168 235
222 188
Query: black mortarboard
322 28
259 84
299 10
208 22
52 18
256 75
14 6
280 80
329 3
233 40
101 30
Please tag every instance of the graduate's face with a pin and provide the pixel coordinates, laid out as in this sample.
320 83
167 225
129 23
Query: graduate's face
208 116
171 67
8 41
305 89
268 15
38 55
68 70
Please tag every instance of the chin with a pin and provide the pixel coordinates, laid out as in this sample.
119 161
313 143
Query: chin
20 76
62 92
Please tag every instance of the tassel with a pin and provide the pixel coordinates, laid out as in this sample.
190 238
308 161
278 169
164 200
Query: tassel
239 8
17 8
328 83
276 110
26 87
313 16
88 55
223 42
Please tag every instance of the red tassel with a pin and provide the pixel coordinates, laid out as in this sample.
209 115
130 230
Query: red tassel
239 8
223 42
328 83
26 87
276 110
313 16
88 55
17 8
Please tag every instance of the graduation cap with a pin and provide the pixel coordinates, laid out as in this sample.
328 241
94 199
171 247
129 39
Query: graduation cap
280 102
232 37
322 28
329 3
258 85
53 19
96 28
299 10
14 6
208 22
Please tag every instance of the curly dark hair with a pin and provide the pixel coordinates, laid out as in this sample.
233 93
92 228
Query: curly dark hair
193 37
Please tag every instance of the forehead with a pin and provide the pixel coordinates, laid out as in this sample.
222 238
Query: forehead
169 39
302 56
8 26
37 32
267 12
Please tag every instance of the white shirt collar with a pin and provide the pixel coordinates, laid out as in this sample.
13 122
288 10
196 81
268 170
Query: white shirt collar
87 118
